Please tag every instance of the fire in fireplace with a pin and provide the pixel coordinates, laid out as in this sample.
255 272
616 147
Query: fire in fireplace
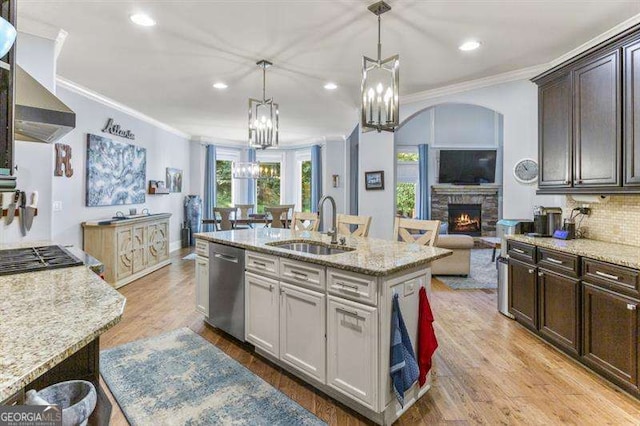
465 219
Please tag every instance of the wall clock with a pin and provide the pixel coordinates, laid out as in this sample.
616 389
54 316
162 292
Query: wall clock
526 170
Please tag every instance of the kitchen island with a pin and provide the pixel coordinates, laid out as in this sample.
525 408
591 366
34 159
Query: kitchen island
50 323
326 318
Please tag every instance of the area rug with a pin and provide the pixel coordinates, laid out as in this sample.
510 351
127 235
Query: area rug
191 256
483 273
179 378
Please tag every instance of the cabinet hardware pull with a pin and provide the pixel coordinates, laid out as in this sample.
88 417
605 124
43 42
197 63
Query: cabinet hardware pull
347 287
556 261
347 311
611 277
531 271
271 287
260 264
301 275
517 250
541 274
631 307
226 257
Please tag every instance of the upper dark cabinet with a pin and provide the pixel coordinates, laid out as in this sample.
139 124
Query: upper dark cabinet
631 58
589 120
555 148
596 121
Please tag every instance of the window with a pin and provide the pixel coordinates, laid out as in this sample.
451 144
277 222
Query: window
224 192
407 182
268 185
305 185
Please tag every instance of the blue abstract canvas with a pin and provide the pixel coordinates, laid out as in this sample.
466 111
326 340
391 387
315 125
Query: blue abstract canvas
116 172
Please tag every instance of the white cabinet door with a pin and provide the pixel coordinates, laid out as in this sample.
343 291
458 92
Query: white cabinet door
261 312
302 330
202 285
352 350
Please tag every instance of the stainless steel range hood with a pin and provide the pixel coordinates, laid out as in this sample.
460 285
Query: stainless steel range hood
39 115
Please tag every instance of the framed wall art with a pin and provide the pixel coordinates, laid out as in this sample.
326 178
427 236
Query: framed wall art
116 172
374 180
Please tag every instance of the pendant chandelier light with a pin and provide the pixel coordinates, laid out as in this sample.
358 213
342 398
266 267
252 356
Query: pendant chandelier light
263 116
245 170
380 82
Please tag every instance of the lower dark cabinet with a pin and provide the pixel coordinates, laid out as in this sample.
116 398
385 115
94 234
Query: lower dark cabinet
560 310
523 293
610 334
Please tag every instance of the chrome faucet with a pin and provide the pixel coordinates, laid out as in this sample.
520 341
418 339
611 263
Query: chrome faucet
333 233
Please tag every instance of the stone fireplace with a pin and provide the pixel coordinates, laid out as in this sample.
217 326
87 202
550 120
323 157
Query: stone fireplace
468 209
465 219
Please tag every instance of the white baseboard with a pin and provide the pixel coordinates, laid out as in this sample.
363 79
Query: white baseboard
176 245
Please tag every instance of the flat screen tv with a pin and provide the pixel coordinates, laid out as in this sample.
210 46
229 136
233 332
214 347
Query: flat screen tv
467 167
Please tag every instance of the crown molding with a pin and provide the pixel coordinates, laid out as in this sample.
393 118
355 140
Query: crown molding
465 86
623 26
521 74
97 97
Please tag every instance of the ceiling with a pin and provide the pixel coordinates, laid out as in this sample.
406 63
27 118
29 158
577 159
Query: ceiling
167 71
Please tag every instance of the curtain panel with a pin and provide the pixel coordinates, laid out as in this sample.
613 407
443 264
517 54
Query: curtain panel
423 182
209 186
316 176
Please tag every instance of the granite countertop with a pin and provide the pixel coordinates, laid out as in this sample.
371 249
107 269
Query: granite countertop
618 254
47 316
371 256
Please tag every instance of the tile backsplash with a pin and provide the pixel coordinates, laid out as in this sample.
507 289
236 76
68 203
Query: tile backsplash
615 221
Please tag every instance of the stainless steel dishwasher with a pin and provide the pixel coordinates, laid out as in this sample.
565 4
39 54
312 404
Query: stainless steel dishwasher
226 289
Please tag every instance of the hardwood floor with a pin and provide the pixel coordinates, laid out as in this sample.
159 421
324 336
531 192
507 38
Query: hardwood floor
487 369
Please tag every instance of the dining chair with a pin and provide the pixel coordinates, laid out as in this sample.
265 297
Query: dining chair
305 221
242 215
427 234
278 215
224 223
344 223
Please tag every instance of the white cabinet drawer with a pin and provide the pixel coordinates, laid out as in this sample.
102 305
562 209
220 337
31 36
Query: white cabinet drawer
202 248
303 274
349 285
262 264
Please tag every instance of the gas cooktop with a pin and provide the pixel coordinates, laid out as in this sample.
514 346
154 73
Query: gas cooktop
32 259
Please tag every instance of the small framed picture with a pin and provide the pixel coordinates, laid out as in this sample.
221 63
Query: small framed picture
374 180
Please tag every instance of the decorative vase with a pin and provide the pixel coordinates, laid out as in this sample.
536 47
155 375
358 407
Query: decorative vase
193 215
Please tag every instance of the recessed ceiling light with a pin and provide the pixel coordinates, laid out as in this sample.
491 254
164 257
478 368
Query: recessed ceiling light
469 45
220 85
142 19
331 86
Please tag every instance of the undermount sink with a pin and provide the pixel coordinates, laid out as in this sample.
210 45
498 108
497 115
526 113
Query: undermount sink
312 248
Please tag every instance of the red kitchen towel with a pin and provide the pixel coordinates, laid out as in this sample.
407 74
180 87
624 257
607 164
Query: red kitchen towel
427 342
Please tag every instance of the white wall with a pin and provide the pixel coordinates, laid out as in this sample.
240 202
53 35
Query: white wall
517 102
34 160
377 152
334 162
164 149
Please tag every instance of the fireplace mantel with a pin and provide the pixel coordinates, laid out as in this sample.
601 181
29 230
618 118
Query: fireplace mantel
487 189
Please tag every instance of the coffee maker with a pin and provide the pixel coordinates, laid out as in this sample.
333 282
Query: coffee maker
546 220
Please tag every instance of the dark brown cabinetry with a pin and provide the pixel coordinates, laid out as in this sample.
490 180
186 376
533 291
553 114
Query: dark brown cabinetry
611 334
596 121
585 307
631 83
589 121
560 310
556 143
7 72
523 293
